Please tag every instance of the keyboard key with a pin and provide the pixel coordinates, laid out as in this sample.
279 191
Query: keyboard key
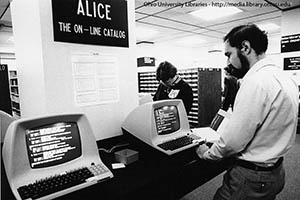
176 143
54 184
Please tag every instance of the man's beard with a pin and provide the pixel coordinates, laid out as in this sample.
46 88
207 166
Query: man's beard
245 66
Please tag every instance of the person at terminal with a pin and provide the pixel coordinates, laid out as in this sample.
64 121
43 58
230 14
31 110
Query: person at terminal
171 86
262 127
230 88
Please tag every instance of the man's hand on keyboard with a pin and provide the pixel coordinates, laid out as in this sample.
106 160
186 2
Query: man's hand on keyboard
199 141
201 149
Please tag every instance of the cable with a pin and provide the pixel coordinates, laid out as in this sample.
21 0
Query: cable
113 148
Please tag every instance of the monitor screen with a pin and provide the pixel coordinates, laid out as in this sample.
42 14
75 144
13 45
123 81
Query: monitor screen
53 144
166 119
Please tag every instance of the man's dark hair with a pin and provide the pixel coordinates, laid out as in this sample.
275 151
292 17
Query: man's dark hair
258 39
165 71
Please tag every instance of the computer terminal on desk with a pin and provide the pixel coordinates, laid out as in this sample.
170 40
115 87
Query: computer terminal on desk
162 125
47 157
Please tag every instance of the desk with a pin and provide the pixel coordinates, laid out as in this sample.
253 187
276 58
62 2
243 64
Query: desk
153 176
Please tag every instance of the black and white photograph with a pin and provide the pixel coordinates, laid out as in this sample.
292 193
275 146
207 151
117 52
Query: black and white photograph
150 99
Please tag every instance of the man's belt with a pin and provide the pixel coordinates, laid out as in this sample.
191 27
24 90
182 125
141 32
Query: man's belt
250 165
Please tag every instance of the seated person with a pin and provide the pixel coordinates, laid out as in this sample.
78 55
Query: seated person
172 86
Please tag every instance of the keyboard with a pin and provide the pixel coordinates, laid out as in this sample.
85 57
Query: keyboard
56 183
176 143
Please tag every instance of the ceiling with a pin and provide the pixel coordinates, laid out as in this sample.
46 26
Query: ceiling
172 22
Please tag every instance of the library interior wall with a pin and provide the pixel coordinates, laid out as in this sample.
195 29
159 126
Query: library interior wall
45 69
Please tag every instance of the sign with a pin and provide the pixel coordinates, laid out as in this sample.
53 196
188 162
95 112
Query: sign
290 43
145 61
98 22
292 63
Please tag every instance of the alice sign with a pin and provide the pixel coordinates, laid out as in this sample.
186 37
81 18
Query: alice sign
98 22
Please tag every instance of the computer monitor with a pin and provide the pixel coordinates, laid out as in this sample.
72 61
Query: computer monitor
158 122
42 147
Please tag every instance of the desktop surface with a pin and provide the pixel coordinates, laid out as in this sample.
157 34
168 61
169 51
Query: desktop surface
153 176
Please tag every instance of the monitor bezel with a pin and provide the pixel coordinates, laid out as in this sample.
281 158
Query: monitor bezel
16 161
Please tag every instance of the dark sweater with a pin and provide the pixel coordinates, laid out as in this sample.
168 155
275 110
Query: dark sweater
185 93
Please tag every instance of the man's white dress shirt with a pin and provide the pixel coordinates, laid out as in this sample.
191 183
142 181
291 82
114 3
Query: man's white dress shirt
263 124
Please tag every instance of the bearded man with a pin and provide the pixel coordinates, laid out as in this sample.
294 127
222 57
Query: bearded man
262 127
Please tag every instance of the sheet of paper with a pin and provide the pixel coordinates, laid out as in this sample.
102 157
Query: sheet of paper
206 133
95 78
117 165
